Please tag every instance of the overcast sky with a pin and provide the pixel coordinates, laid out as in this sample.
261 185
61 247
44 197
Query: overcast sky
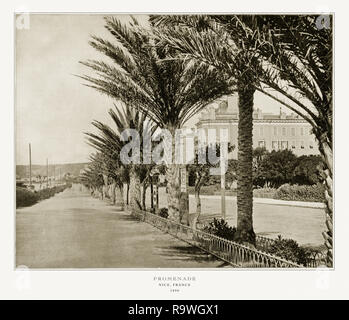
53 108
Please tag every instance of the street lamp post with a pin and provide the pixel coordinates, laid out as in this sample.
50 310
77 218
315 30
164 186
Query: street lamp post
223 190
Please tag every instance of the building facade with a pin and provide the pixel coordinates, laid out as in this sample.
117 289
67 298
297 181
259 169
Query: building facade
272 131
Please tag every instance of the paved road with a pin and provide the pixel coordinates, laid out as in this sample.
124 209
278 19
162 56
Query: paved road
305 225
73 230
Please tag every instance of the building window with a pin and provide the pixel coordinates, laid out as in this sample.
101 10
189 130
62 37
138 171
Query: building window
302 144
261 131
284 145
302 131
261 144
311 145
293 131
283 131
275 131
274 145
293 145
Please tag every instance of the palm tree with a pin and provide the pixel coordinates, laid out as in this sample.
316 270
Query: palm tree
109 142
113 173
299 69
143 75
293 67
229 50
92 177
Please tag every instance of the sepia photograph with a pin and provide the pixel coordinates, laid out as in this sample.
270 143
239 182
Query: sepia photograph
174 141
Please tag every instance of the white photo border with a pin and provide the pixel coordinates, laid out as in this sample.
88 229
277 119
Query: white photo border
140 284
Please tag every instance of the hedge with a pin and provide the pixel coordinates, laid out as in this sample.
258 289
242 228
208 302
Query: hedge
314 193
309 193
264 193
25 197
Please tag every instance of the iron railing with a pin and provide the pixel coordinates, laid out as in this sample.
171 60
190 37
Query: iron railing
314 259
236 254
263 243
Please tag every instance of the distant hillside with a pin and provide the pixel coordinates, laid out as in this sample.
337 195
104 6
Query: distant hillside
53 169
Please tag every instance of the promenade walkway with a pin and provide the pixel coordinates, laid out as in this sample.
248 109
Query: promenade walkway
73 230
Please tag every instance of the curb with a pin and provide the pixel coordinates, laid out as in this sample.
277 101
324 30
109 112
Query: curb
315 205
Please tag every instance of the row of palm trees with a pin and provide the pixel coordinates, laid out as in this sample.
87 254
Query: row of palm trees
168 71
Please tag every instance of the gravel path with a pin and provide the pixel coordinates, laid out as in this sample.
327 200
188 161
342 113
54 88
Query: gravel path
73 230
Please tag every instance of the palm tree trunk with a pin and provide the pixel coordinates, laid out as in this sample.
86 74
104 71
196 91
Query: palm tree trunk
113 196
135 190
119 197
156 197
105 186
100 193
151 194
127 193
184 197
174 192
173 184
244 232
198 207
144 190
326 152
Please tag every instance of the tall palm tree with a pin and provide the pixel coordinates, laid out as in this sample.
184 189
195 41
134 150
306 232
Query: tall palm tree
298 67
208 41
143 74
293 67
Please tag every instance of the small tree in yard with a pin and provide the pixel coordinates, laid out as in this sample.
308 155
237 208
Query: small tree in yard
258 156
307 170
277 167
202 174
231 174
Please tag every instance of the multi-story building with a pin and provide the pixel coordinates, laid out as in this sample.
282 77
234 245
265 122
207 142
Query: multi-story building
272 131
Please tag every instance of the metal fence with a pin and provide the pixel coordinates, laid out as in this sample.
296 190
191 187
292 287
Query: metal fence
314 259
236 254
263 243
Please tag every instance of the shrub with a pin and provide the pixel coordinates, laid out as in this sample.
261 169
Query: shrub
307 170
289 250
25 198
213 189
313 193
163 212
220 228
264 193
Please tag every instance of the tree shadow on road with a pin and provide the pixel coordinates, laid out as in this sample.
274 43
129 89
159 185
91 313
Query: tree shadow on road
127 217
189 253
